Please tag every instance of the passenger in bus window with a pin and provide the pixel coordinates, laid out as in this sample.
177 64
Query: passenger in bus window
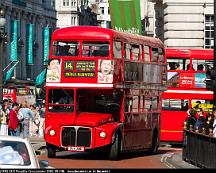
72 51
171 65
200 67
105 71
177 66
188 67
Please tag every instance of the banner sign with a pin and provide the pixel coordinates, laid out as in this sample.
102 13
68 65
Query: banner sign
19 2
13 43
125 15
186 80
46 36
40 78
29 41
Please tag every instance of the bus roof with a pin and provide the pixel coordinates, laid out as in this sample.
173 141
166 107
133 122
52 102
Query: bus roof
193 53
99 33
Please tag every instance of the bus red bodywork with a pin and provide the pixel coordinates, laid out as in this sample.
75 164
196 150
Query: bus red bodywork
110 113
185 88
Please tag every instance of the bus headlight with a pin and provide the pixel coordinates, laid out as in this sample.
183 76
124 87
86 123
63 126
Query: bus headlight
103 134
52 132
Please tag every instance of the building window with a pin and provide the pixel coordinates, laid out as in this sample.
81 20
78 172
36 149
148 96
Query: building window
53 3
73 20
209 31
108 10
65 2
102 10
73 3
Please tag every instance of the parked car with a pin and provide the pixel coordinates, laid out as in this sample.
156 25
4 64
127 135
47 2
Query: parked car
18 153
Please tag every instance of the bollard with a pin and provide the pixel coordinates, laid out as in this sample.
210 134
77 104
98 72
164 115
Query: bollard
191 127
203 131
197 130
185 125
210 132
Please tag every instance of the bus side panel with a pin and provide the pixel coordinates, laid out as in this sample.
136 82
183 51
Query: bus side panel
137 131
117 78
172 125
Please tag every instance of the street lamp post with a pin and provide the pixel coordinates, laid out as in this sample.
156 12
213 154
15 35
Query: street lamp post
214 67
2 38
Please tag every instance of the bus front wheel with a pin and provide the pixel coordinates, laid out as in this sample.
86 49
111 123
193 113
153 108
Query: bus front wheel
115 148
155 142
51 151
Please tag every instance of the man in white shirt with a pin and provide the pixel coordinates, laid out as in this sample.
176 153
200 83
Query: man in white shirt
214 124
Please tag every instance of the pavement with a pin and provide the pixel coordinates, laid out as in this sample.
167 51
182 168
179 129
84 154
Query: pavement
175 161
172 160
38 144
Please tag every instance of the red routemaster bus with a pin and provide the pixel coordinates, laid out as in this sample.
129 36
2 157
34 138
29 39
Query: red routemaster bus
103 91
186 70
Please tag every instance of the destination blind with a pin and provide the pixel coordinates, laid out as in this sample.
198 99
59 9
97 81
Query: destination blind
82 68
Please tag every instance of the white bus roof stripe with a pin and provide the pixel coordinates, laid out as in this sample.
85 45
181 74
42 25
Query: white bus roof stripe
79 85
189 92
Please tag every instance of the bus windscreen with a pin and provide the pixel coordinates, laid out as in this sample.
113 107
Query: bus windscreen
94 49
63 48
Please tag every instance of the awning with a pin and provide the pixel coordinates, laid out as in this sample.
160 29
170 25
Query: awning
10 71
40 78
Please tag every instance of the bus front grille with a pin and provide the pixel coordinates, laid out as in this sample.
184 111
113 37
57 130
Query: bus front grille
84 137
76 136
68 136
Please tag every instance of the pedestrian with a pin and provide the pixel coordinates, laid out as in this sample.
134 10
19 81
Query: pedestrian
214 124
200 121
42 119
34 121
13 129
4 117
208 123
191 119
27 114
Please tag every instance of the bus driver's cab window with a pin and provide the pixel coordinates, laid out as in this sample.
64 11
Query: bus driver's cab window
61 100
128 104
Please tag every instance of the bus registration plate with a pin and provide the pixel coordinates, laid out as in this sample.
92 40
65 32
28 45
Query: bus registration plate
76 149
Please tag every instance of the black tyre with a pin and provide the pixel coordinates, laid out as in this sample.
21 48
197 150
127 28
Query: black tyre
115 148
51 151
155 143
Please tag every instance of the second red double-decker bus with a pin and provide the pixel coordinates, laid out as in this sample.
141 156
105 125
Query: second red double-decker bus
103 91
186 89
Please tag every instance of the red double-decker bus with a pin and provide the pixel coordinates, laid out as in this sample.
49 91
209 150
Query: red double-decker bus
186 70
103 91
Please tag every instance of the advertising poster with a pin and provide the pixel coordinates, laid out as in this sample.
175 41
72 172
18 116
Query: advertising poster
187 80
54 71
105 71
200 80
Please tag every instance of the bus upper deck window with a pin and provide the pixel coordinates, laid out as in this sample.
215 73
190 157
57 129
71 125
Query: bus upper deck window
117 49
155 54
95 49
62 48
146 54
161 55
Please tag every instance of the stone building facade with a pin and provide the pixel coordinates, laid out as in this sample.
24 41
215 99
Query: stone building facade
184 23
40 14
